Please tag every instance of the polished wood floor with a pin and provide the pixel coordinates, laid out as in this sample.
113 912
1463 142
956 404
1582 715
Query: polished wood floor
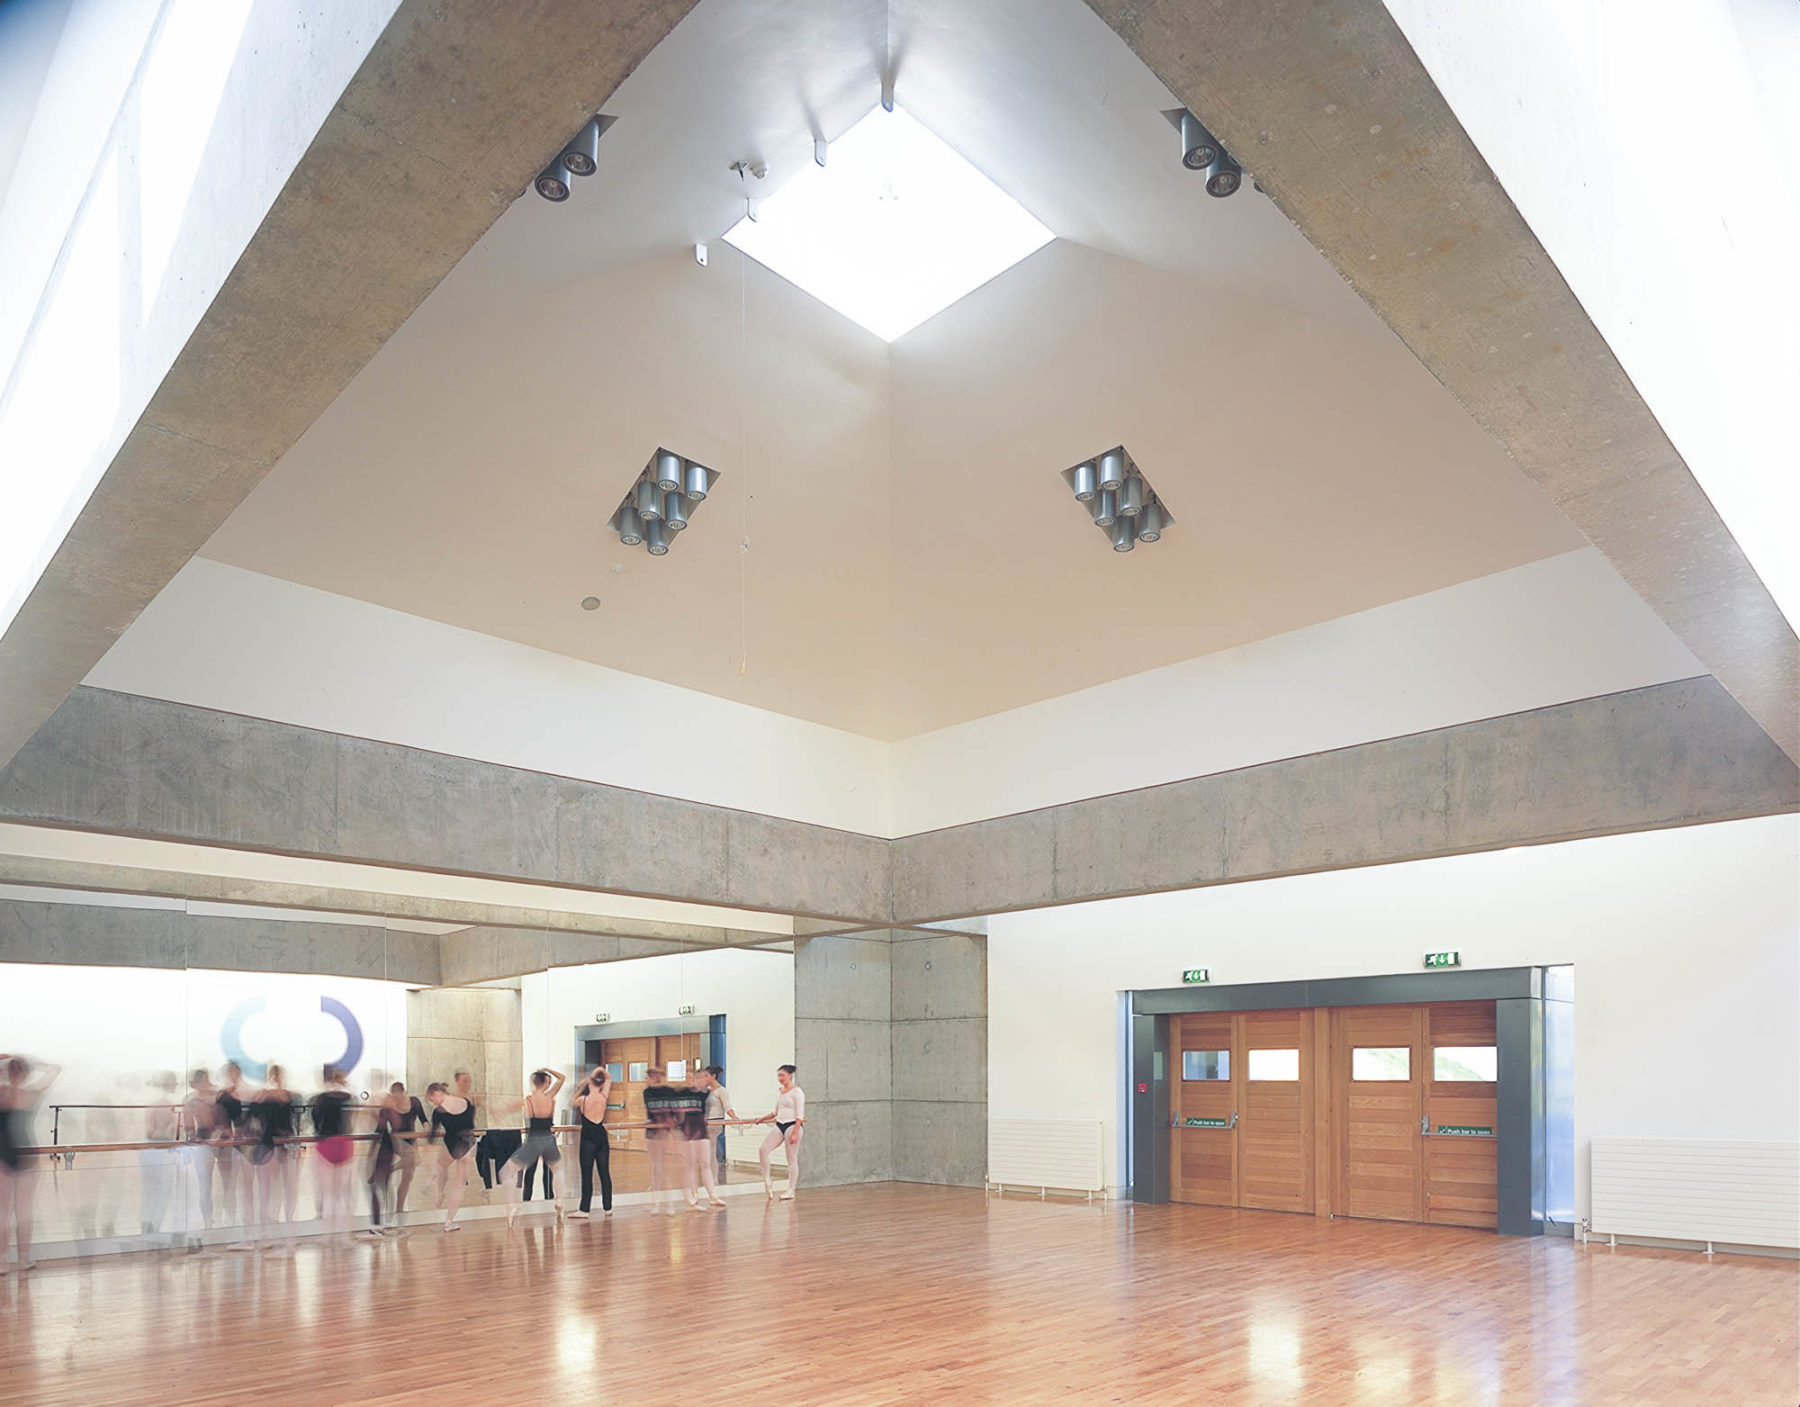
898 1293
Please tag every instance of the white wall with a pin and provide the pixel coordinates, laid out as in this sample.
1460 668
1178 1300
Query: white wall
161 136
1546 633
754 991
1561 629
1685 943
1654 148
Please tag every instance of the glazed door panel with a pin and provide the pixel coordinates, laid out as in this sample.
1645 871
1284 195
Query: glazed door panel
1377 1068
1203 1142
1462 1163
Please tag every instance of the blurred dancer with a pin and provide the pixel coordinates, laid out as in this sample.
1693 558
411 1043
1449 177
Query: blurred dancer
157 1166
593 1151
271 1111
200 1120
229 1148
657 1136
412 1123
693 1143
454 1116
331 1122
540 1140
718 1110
21 1086
789 1119
383 1158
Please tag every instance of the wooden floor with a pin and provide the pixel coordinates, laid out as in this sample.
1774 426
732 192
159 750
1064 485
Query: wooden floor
898 1293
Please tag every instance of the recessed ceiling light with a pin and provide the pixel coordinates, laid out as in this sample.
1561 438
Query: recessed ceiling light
893 229
590 603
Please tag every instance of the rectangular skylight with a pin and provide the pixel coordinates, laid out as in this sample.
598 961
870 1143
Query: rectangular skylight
893 229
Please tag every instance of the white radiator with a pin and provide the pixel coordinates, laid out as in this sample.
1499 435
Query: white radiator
1065 1154
1686 1189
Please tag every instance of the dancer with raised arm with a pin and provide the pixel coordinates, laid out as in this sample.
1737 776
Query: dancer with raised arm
593 1152
22 1083
789 1119
453 1115
540 1139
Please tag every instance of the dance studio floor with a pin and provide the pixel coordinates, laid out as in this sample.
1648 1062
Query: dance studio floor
901 1293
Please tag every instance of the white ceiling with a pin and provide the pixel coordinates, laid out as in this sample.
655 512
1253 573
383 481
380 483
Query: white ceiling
914 559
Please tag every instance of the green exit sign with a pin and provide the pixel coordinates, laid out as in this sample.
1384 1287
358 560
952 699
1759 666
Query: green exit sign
684 1011
1196 974
1443 959
603 1016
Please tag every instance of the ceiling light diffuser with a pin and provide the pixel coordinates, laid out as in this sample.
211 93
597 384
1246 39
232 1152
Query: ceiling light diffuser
892 230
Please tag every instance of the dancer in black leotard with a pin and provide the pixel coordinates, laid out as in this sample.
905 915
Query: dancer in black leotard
454 1117
331 1122
593 1150
21 1084
540 1139
272 1114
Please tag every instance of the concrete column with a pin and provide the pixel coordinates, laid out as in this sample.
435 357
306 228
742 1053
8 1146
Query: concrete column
890 1034
843 1000
466 1028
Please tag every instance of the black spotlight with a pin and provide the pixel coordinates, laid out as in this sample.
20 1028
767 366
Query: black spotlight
1199 148
553 181
582 155
1223 175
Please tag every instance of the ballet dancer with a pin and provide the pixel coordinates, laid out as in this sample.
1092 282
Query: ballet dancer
272 1112
199 1128
157 1166
406 1143
718 1110
331 1122
23 1085
540 1139
698 1129
230 1139
789 1119
453 1115
593 1151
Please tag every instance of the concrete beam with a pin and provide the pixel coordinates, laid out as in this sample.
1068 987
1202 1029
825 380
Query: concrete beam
455 109
1672 755
484 954
1330 109
95 935
135 766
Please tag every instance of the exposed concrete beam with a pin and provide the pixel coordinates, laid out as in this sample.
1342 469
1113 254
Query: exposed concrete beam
230 889
135 766
1673 755
820 928
458 105
484 954
96 935
1327 105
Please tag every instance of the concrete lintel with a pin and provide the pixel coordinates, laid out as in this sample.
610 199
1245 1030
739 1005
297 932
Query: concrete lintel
454 110
1675 754
1329 108
96 935
129 765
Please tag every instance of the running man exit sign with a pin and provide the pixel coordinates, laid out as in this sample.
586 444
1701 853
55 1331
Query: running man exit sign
684 1011
1196 974
1443 959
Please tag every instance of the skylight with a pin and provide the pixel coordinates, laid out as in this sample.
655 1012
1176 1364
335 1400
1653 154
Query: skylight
893 229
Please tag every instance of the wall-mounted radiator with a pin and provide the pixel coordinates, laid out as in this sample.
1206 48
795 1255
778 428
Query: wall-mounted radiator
1687 1189
1062 1155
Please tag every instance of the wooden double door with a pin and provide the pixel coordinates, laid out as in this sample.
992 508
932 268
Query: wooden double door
1385 1112
628 1061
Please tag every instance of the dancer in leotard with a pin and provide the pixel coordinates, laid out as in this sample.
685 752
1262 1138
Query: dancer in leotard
331 1122
158 1167
199 1127
453 1115
229 1146
540 1139
388 1114
789 1119
21 1084
272 1113
593 1151
406 1143
718 1110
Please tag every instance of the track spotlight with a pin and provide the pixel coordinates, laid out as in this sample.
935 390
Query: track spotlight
1223 176
1199 148
1131 497
696 481
582 155
659 505
655 542
1122 503
630 526
667 471
649 502
674 512
1149 522
553 181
